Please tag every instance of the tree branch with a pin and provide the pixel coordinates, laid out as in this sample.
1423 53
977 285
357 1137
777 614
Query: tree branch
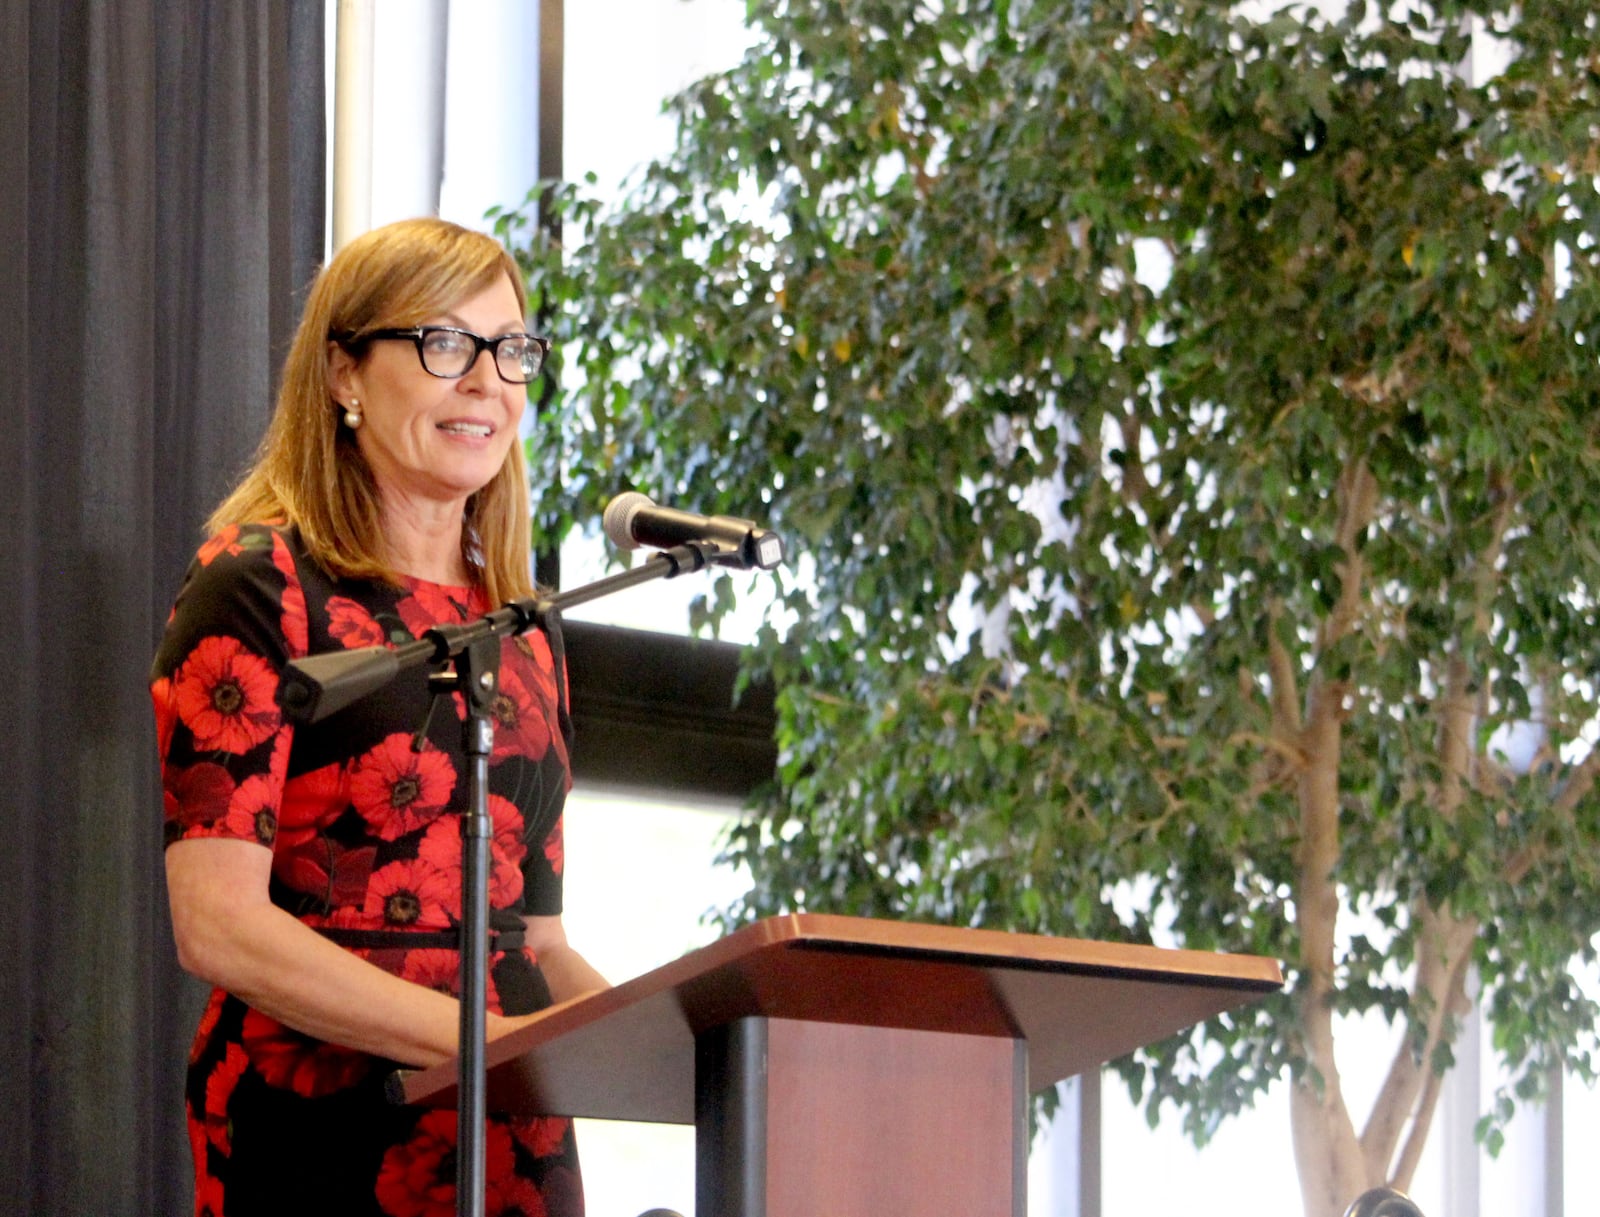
1285 685
1444 941
1443 952
1358 498
1580 782
1135 485
1427 1102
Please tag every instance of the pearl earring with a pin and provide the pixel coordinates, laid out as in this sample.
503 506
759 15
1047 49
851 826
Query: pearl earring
352 414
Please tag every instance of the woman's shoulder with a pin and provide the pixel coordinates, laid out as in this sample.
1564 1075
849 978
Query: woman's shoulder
242 544
244 582
239 558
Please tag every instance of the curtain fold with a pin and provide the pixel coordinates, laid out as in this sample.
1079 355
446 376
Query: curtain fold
162 210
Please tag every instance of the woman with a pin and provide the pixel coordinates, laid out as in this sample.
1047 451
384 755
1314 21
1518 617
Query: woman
314 871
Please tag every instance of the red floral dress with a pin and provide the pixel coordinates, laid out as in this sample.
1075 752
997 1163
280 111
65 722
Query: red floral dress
366 849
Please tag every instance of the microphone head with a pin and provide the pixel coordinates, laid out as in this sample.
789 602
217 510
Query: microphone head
617 522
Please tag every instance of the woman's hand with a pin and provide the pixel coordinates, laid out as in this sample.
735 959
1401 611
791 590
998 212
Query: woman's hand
566 972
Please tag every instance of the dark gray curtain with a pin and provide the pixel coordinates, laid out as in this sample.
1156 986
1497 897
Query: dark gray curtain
161 207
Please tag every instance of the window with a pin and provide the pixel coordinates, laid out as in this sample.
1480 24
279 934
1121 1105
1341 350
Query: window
642 874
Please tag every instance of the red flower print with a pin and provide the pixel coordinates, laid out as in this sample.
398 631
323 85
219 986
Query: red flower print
219 1089
225 696
555 850
540 670
433 968
224 542
296 629
208 1197
352 625
352 871
520 726
278 766
196 796
166 708
418 1176
345 918
295 625
535 646
291 1061
506 852
291 862
429 604
197 1141
531 660
441 844
512 1196
414 893
306 861
397 790
348 918
208 1020
253 810
542 1136
440 970
314 799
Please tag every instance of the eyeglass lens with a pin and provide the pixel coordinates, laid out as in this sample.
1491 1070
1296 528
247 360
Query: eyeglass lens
450 353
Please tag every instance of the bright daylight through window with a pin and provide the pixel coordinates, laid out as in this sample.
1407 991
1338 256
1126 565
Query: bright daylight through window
640 863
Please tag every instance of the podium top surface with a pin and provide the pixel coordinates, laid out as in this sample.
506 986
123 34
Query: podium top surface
628 1052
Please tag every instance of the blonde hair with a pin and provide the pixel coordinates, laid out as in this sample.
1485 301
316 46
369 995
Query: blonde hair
309 471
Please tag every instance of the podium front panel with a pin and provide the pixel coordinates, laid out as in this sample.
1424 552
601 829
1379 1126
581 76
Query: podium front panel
798 1118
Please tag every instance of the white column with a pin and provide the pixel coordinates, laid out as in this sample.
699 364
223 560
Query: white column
408 135
1064 1167
1555 1138
1458 1105
491 155
352 121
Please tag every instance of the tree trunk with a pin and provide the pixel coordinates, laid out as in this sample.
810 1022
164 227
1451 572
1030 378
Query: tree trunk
1332 1168
1327 1152
1327 1155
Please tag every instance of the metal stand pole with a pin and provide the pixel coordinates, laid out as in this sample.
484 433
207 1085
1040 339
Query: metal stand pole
476 675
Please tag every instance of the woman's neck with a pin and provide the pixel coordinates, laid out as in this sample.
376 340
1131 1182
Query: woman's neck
424 540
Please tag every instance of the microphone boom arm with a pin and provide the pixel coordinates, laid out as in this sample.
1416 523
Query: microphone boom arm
320 685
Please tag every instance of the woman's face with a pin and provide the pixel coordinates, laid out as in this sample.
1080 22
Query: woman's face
429 440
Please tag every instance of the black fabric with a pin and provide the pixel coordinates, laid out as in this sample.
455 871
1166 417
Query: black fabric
160 210
408 940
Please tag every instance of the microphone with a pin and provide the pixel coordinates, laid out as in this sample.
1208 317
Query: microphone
632 519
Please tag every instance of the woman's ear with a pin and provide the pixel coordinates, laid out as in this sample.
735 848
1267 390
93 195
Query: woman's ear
342 373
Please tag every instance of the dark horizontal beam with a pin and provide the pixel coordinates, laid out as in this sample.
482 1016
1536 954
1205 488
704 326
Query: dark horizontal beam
657 710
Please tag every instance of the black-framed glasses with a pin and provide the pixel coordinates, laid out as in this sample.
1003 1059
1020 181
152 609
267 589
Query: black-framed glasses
449 353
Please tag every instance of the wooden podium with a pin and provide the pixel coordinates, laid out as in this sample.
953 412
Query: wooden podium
841 1067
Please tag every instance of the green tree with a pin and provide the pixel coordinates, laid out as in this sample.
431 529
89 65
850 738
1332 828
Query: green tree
1191 430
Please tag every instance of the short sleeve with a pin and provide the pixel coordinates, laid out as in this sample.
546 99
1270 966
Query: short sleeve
238 619
541 874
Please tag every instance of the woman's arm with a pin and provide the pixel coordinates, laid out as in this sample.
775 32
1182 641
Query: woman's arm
230 934
567 973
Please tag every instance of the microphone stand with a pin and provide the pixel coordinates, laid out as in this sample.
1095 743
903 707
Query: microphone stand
320 685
